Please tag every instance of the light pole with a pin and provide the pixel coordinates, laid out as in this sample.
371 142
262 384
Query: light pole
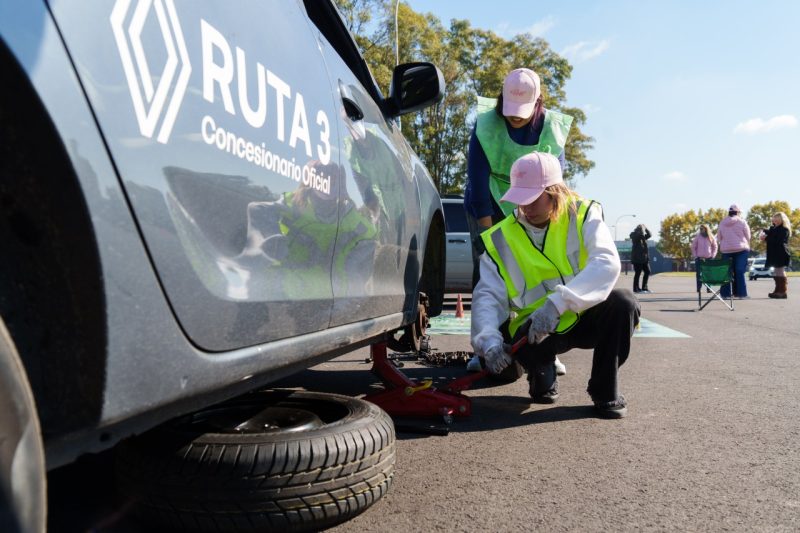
396 34
617 223
396 43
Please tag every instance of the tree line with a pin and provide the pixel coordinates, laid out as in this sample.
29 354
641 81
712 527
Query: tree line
474 62
678 230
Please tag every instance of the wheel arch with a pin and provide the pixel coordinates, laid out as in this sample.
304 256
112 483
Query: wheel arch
51 292
433 267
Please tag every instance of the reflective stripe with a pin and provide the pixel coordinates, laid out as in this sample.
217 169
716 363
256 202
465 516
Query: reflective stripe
532 295
573 239
528 297
509 262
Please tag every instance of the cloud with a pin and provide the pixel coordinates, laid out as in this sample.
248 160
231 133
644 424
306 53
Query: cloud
585 50
759 125
675 175
541 27
537 29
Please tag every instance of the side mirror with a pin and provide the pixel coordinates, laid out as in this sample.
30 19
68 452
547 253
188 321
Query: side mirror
415 86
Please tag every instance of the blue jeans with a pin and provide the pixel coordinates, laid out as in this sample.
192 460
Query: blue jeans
739 269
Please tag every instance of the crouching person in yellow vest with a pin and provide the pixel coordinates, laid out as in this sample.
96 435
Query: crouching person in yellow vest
549 268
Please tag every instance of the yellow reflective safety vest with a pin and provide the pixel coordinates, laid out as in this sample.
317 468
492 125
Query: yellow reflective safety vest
501 151
530 273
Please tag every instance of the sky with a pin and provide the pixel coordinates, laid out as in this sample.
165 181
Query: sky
692 104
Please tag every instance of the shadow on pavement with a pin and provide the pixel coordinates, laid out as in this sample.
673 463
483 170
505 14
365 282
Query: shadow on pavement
502 412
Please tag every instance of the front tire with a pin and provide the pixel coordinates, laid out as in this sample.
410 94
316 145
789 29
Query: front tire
23 498
268 461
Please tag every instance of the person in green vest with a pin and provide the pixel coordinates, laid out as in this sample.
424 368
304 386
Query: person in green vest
306 230
508 127
548 273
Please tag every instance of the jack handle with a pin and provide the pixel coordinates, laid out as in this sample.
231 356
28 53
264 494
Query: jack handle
463 383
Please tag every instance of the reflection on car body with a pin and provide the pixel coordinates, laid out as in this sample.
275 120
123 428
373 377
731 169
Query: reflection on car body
227 199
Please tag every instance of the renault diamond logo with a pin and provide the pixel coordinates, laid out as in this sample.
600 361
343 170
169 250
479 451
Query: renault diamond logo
160 102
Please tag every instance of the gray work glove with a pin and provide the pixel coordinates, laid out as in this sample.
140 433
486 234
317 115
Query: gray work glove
543 322
497 359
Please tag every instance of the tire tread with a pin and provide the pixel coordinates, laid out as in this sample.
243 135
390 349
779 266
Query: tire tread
295 485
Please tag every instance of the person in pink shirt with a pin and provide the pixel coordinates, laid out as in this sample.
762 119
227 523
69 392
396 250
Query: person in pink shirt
734 243
704 246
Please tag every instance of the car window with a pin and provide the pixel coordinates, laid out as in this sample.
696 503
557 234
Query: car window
455 219
326 18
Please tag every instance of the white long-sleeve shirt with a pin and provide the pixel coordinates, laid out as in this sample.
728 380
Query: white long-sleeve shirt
592 285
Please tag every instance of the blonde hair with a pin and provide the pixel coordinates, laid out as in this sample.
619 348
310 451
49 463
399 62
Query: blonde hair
708 232
784 220
562 197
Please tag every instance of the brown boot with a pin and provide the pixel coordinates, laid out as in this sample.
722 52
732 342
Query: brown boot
782 287
773 293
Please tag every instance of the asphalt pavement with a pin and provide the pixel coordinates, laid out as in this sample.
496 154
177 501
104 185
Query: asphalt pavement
711 441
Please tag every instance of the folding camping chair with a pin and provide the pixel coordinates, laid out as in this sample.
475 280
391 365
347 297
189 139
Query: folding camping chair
715 273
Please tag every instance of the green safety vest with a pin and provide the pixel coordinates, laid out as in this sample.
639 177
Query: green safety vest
310 241
531 274
303 227
372 159
353 228
501 151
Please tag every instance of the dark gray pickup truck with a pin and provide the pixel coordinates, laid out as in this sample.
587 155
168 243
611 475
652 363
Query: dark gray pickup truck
197 199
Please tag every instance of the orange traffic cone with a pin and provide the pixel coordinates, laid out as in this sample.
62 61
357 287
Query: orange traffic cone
459 307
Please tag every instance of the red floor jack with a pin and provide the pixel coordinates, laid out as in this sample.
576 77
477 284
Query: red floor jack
406 397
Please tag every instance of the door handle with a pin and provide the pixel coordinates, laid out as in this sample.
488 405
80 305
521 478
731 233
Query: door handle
351 108
458 240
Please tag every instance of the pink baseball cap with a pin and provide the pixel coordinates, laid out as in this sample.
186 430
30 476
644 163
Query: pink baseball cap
734 207
521 89
530 175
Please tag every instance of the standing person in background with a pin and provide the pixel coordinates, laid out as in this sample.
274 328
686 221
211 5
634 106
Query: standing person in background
778 255
704 246
514 125
640 257
734 243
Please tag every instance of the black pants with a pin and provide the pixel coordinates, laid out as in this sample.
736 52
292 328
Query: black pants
638 269
606 327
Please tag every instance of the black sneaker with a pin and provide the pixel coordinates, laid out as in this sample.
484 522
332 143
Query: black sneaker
613 409
543 383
